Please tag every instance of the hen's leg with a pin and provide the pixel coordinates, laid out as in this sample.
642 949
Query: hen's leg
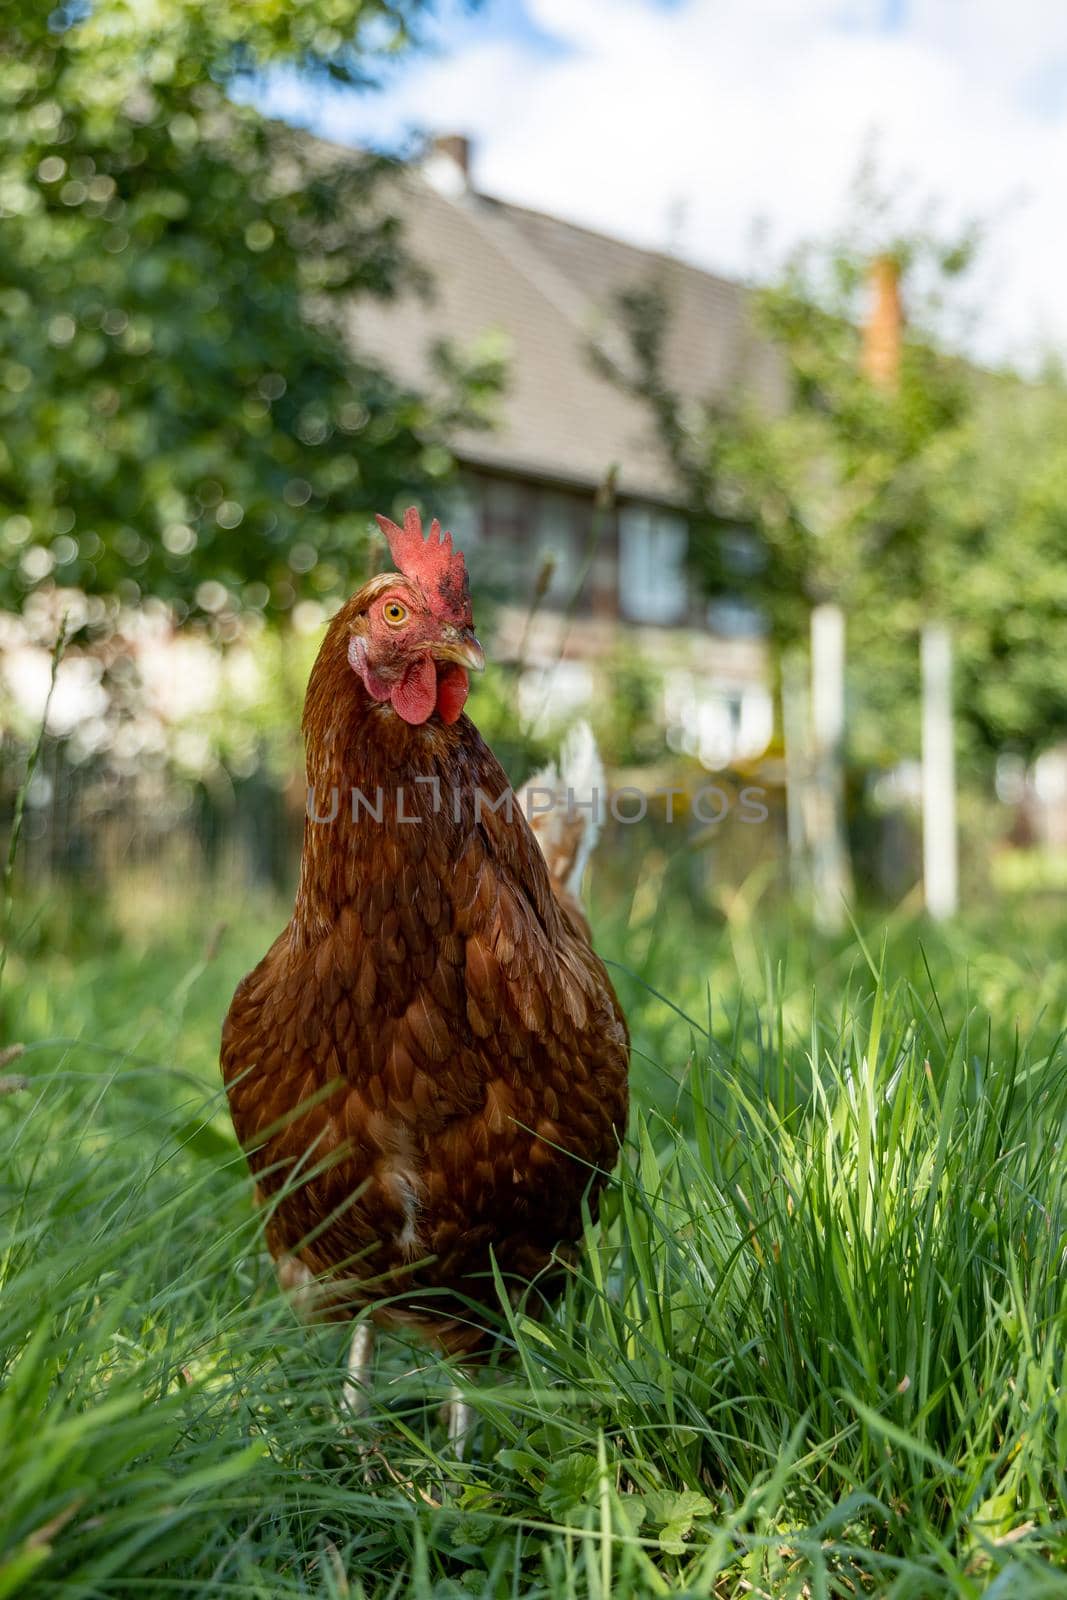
355 1391
460 1422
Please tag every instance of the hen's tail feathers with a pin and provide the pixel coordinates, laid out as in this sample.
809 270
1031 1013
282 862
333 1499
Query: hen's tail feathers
565 805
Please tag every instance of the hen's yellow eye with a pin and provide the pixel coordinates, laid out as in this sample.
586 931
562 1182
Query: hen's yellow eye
394 612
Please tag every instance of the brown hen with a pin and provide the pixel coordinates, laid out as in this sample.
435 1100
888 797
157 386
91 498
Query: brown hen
428 1069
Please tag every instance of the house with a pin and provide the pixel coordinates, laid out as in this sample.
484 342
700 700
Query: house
530 488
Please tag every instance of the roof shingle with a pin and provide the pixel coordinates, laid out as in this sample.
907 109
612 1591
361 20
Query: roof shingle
550 288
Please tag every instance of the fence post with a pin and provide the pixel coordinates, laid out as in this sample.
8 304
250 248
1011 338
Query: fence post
796 733
940 846
831 878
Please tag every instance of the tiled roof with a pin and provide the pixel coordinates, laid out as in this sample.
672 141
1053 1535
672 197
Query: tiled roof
549 288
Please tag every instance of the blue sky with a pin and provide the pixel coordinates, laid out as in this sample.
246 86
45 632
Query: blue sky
679 124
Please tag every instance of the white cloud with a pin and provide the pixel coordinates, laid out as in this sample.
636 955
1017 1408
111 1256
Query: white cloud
677 126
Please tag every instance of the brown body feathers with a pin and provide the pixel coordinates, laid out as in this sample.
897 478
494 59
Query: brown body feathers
429 1065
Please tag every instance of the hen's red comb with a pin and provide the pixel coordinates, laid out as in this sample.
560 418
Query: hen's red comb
433 564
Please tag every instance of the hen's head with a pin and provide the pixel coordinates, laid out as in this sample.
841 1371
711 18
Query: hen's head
412 640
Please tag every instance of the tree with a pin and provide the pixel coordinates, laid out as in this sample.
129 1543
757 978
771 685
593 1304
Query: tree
1002 494
942 494
180 414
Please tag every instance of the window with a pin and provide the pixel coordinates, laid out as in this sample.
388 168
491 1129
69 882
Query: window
717 722
556 539
532 532
743 553
499 512
460 509
652 576
732 617
551 695
506 508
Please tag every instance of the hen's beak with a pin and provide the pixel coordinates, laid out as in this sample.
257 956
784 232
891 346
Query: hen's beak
461 646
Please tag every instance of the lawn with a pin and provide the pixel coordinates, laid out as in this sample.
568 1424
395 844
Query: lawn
817 1347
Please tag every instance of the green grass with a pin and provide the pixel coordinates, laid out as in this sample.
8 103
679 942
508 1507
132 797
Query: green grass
818 1346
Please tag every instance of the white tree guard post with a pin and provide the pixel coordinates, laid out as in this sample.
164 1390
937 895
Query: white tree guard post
796 733
831 877
940 846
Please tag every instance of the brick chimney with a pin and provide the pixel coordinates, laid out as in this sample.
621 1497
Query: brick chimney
447 163
884 331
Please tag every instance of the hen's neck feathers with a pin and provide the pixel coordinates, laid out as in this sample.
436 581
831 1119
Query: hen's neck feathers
362 764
